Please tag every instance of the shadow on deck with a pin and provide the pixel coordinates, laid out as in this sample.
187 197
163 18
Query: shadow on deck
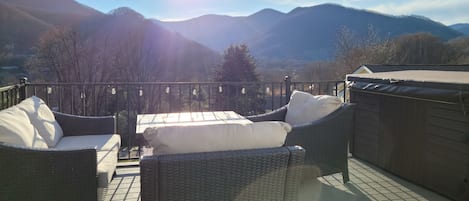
366 183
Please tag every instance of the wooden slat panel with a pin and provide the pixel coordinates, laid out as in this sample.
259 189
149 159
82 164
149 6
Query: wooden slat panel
449 123
447 133
365 140
447 157
400 143
453 145
446 172
452 112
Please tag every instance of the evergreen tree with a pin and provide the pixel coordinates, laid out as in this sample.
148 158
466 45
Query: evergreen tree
239 66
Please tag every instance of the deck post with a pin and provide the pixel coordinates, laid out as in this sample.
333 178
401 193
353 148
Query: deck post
287 80
22 88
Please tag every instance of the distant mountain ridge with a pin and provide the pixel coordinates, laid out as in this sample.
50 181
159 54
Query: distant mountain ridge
304 34
220 31
461 27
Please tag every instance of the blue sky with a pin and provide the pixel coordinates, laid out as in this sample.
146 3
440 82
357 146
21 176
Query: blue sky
444 11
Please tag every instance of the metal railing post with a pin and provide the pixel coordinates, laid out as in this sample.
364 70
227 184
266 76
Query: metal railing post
287 80
22 88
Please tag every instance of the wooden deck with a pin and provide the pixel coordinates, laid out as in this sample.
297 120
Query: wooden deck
366 183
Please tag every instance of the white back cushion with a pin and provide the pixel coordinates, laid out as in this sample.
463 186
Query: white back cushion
42 119
306 108
216 137
15 129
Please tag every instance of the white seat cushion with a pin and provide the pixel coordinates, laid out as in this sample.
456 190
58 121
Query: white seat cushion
216 137
107 162
42 119
107 148
305 108
15 129
98 142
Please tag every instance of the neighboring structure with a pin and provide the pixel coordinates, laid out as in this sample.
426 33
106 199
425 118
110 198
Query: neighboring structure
373 68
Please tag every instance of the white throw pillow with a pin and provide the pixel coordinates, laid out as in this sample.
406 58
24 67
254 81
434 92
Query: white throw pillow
15 129
306 108
42 119
216 137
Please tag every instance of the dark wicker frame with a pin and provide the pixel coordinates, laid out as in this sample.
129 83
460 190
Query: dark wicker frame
258 174
325 140
50 174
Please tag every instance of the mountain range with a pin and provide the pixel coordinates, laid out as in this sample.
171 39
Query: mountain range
305 33
190 49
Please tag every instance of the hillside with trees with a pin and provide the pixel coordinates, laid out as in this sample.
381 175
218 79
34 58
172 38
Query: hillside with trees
23 21
55 12
62 40
354 51
18 29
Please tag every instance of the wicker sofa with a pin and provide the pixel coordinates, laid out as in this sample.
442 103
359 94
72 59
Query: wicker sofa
78 167
266 174
325 140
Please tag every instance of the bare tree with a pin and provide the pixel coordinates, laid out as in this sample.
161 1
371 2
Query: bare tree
319 71
460 47
353 51
60 51
421 48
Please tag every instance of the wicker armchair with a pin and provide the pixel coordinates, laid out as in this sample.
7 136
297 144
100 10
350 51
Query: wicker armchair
52 174
258 174
325 140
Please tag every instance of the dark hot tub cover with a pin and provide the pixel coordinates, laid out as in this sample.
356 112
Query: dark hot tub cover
441 86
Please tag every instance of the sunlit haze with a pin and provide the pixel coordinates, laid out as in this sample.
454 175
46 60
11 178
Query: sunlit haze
444 11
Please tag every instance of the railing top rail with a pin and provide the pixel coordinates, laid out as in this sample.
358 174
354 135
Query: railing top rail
6 88
145 83
325 81
171 83
9 87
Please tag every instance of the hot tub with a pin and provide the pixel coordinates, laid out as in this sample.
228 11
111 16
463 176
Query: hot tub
415 124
